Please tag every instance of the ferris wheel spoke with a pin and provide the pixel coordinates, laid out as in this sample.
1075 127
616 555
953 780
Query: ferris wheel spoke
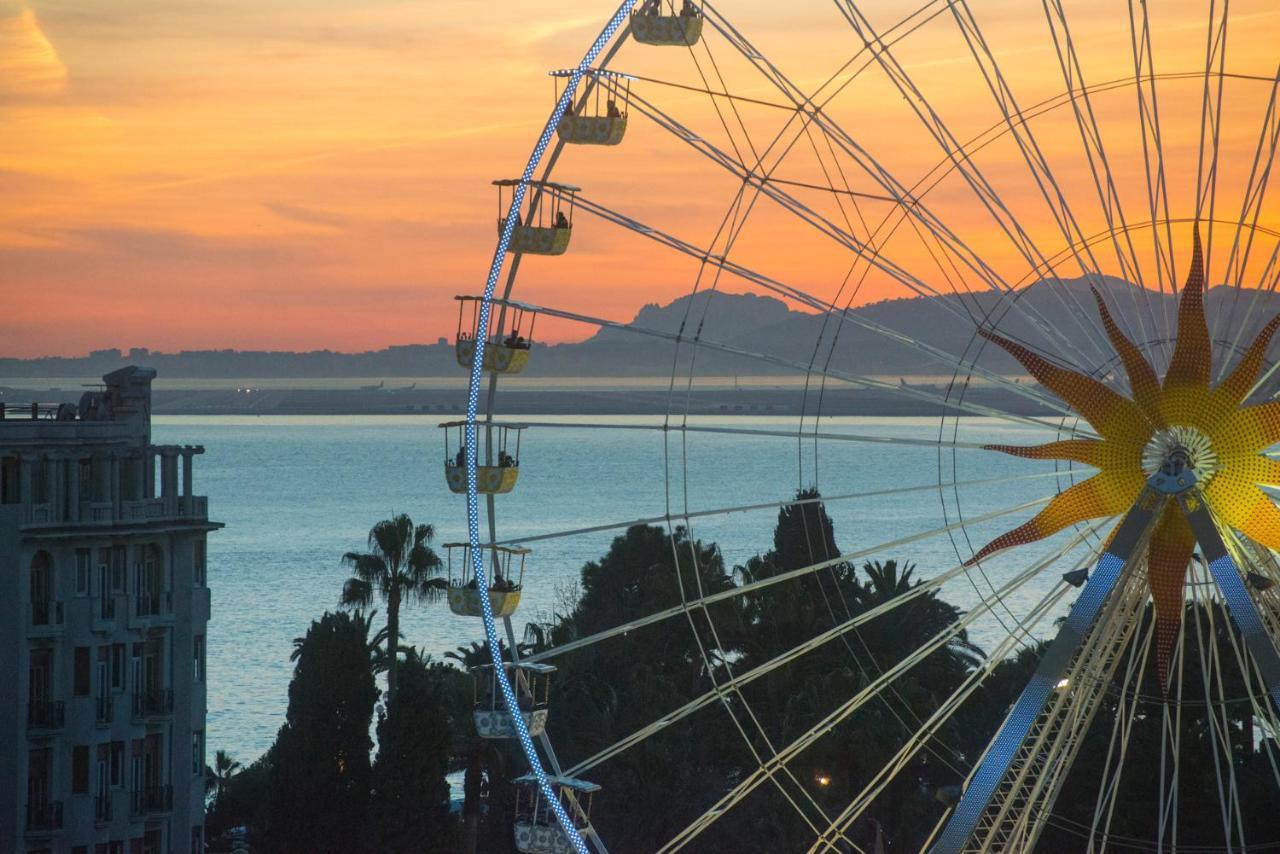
747 677
744 589
1095 151
790 292
1033 156
773 505
1218 735
974 178
1215 57
718 691
910 205
1118 746
1246 226
834 718
853 379
1020 636
1148 106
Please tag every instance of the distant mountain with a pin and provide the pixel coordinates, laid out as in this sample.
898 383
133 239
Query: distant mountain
904 337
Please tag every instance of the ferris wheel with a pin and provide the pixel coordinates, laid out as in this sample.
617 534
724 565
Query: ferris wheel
1066 220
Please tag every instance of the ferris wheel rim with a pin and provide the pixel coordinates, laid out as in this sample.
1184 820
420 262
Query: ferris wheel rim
671 517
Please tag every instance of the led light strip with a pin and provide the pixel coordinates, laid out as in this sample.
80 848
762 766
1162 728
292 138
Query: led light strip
473 398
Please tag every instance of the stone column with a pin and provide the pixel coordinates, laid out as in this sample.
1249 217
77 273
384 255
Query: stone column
101 478
138 465
169 480
149 472
187 454
24 479
117 509
73 489
53 487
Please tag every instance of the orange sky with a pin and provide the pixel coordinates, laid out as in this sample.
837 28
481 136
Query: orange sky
307 173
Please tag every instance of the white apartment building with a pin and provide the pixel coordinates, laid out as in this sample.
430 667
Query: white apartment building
103 607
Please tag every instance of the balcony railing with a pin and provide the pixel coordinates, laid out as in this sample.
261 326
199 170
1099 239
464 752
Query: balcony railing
153 704
46 715
45 817
106 710
103 808
153 800
141 511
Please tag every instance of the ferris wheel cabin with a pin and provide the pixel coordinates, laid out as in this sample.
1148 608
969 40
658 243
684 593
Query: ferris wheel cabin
506 351
532 686
500 469
660 23
547 223
594 123
536 829
504 588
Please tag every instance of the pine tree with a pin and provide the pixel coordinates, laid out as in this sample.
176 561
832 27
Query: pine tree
410 807
320 790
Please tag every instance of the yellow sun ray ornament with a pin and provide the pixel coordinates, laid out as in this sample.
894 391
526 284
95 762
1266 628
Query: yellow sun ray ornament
1224 439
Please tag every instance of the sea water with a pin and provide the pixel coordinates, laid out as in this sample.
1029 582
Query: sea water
295 493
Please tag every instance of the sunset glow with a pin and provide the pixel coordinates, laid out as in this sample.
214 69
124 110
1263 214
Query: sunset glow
301 175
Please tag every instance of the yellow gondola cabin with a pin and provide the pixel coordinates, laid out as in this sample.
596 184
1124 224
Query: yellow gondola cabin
591 122
507 580
498 467
681 28
531 684
547 222
537 831
505 351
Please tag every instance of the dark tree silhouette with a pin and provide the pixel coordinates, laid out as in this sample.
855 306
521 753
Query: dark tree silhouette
320 788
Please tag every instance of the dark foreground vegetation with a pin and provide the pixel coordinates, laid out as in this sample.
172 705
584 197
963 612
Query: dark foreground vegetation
323 788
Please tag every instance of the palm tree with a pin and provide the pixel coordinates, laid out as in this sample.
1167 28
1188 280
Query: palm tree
218 775
399 566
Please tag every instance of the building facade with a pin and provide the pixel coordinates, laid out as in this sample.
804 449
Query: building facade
103 607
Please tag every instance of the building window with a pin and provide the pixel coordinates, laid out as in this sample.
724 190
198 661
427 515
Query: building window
119 564
197 752
200 576
117 667
84 561
198 658
81 686
80 769
117 764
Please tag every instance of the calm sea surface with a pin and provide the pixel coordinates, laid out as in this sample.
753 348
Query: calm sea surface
297 492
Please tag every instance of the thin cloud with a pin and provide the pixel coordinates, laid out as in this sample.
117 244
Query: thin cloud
30 68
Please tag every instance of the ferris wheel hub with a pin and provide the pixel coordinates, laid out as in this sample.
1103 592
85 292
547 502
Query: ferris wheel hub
1174 450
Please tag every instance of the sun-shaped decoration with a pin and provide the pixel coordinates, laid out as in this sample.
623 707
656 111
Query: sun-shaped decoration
1223 439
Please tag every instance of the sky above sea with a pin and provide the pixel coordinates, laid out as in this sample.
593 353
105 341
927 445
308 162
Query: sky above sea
310 173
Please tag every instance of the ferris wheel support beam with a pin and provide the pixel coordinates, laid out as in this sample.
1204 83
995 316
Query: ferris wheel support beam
1240 605
1057 658
1028 711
